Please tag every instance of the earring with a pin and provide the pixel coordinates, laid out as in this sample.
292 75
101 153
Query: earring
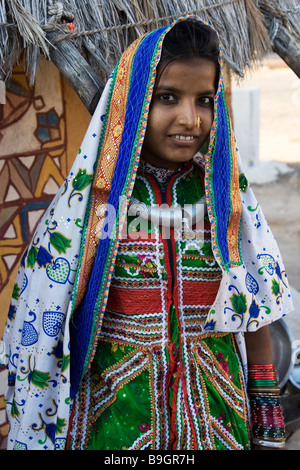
198 122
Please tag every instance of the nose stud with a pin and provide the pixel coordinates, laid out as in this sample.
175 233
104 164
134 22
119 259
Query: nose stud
198 122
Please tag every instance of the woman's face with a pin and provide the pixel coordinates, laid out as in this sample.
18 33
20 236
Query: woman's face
184 93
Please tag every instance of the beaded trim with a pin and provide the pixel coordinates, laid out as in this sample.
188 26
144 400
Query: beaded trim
229 392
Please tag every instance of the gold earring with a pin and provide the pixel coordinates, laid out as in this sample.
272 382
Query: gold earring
198 122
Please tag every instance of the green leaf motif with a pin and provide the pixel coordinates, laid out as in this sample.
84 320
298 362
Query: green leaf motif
60 242
40 379
16 292
239 302
243 182
275 287
81 180
65 362
60 424
14 410
32 256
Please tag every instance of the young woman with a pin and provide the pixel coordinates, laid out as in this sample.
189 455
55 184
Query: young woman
143 302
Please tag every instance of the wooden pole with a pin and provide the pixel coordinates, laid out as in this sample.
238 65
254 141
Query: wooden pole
83 79
288 48
282 40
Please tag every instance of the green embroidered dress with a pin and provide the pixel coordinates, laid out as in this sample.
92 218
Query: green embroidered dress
158 381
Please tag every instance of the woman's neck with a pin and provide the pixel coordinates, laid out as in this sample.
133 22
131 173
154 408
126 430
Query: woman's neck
161 174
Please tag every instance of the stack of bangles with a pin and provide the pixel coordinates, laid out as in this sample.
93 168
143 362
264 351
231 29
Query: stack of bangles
268 427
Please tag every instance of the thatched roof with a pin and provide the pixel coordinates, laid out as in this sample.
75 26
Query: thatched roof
103 29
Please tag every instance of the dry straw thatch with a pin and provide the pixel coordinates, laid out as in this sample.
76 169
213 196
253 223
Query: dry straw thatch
104 28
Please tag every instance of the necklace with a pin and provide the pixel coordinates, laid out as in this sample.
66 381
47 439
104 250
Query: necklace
165 216
161 174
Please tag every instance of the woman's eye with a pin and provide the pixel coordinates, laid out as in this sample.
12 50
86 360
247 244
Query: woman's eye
206 100
167 98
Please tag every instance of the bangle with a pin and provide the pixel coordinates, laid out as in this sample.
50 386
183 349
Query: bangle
267 420
270 391
262 442
266 400
263 375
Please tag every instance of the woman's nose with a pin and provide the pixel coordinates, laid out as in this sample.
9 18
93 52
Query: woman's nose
188 116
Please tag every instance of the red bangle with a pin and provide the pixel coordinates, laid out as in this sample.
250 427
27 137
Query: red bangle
261 367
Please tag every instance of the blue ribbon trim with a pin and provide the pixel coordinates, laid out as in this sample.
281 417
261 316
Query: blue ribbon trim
83 322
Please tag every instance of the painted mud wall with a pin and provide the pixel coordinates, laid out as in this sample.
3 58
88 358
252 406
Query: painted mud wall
41 129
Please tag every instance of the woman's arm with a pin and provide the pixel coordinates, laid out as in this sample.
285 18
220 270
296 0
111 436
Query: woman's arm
258 344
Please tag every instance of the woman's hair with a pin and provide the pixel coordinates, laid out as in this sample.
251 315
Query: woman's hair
188 39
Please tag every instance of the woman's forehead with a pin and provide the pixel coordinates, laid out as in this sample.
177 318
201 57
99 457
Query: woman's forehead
180 72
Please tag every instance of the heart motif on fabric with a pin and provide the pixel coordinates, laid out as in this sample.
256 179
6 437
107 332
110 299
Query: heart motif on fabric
59 271
52 322
268 263
29 334
251 284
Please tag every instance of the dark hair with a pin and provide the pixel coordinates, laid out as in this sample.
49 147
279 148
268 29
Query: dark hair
191 38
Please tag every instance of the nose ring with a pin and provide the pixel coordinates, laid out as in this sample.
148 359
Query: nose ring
198 122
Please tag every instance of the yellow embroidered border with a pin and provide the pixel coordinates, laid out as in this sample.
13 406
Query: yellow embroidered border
106 165
236 207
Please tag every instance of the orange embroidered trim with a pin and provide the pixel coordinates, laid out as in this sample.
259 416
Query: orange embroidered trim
106 165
